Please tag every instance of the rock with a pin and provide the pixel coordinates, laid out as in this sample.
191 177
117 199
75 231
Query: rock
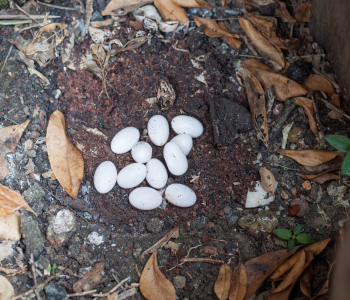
228 118
95 238
232 221
306 185
294 191
196 106
31 235
55 292
264 221
284 195
334 190
179 282
34 196
136 252
31 153
259 197
227 210
56 93
61 227
96 16
298 71
303 206
278 108
155 225
28 144
295 135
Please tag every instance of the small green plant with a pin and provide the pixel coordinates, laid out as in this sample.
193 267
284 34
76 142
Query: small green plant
341 143
52 269
300 237
4 2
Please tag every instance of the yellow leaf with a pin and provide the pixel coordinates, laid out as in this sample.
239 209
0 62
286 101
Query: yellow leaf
318 83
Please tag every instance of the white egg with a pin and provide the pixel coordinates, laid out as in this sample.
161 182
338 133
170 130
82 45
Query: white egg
141 152
158 130
125 139
157 175
185 142
175 159
187 124
145 198
105 177
180 195
132 175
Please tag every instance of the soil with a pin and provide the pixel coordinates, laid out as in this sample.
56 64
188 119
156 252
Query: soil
223 163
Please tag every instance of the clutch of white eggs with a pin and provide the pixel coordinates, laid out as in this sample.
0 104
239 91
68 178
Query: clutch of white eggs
155 173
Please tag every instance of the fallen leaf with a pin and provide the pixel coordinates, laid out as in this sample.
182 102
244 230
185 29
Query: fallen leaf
210 250
305 281
321 179
174 247
67 48
90 279
267 180
223 282
308 107
10 227
47 38
88 13
332 165
171 11
6 289
65 159
318 83
234 42
285 267
262 43
317 248
283 13
239 283
302 12
309 157
4 168
126 5
98 24
10 201
282 87
174 233
169 26
212 29
41 77
153 284
194 3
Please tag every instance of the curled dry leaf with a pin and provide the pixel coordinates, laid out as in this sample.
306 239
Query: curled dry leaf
10 227
98 24
310 157
47 38
6 289
234 42
262 43
194 3
305 281
223 282
212 29
308 107
332 165
41 77
318 83
285 267
302 12
126 5
153 284
267 180
317 248
283 13
166 95
65 159
322 178
282 87
10 201
90 279
171 11
239 283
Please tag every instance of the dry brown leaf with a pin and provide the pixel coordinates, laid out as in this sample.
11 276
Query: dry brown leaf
98 24
259 2
234 42
282 87
6 289
285 267
127 5
262 43
267 180
88 13
302 12
321 179
317 248
65 159
10 201
4 168
332 165
211 28
239 283
194 3
309 157
153 284
90 279
223 282
10 227
305 281
283 13
308 107
318 83
47 38
225 2
171 11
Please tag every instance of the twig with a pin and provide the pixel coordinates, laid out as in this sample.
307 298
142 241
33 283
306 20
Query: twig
7 57
243 55
112 290
207 260
23 11
24 17
319 124
36 292
56 6
188 253
14 22
36 25
81 294
331 106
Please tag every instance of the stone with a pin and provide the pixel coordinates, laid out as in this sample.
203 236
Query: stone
34 196
179 282
227 210
295 135
228 119
55 292
96 16
306 185
28 144
136 252
265 221
155 225
298 71
56 93
303 206
284 195
294 191
31 153
31 235
277 110
95 238
232 221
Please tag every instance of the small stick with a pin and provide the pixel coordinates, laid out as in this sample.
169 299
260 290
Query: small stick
36 25
7 57
56 6
331 106
81 294
207 260
112 290
24 17
36 292
243 55
319 124
23 11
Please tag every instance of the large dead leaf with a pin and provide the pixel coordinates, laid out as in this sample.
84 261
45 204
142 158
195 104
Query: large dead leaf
262 43
153 284
285 267
317 248
65 159
309 157
318 83
6 289
10 227
283 13
332 165
126 5
194 3
234 42
239 283
90 279
47 38
308 107
302 12
267 180
171 11
282 87
223 282
321 179
305 281
10 201
211 28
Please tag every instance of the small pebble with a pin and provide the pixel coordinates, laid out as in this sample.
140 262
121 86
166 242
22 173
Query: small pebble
306 185
28 144
56 93
284 195
295 135
294 191
277 109
34 134
31 153
303 206
227 210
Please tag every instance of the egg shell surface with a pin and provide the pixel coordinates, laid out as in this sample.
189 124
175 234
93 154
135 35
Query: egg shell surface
105 177
125 139
180 195
184 141
175 159
141 152
187 124
157 175
145 198
132 175
158 130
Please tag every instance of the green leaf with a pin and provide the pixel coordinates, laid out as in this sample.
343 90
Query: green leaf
297 229
305 239
345 167
283 233
48 268
291 245
342 143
